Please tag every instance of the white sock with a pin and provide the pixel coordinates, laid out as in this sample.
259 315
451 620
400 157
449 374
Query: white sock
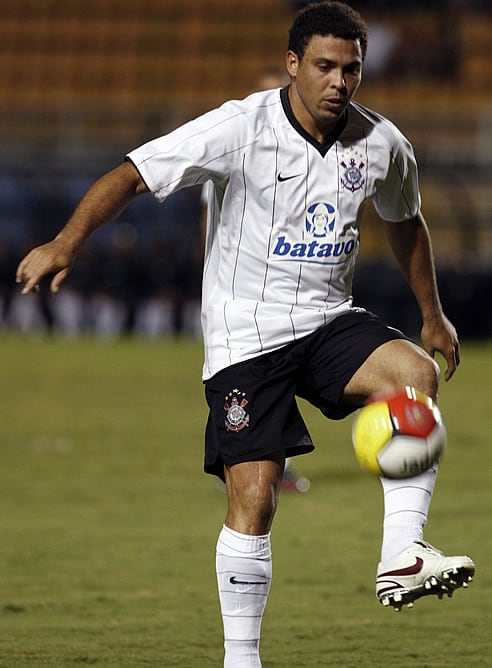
406 506
244 573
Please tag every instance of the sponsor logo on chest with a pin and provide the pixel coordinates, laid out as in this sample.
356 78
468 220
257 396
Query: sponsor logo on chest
318 243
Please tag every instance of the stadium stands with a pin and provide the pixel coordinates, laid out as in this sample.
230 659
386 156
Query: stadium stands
82 81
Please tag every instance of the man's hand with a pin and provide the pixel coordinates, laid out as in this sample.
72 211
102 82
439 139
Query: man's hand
101 204
440 336
51 258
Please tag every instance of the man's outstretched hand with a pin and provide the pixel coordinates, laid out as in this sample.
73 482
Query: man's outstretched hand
50 258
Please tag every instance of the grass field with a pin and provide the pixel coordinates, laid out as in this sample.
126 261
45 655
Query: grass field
108 525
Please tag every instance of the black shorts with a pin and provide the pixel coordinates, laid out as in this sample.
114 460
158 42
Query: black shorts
253 410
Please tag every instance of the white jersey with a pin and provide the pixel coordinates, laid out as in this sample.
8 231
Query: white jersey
284 213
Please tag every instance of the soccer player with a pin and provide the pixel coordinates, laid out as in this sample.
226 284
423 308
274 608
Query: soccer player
291 169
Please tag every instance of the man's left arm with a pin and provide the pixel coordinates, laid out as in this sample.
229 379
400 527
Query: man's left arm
411 246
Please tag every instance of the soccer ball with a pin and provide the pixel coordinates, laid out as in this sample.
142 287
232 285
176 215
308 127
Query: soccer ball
399 434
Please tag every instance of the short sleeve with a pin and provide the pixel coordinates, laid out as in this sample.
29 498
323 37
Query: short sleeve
190 155
397 198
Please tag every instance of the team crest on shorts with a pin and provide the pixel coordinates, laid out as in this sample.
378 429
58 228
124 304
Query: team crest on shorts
235 408
353 168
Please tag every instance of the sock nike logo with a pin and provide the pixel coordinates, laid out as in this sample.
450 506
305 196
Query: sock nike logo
235 581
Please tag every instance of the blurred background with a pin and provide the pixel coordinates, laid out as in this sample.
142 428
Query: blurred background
84 81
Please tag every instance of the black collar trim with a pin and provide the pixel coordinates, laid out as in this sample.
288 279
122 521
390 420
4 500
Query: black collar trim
329 140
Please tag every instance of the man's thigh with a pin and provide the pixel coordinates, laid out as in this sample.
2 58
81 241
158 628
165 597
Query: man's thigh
335 354
394 364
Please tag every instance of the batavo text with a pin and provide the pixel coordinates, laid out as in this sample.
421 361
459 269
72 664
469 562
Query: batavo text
313 248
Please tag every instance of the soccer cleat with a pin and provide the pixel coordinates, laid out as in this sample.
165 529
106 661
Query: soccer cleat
421 570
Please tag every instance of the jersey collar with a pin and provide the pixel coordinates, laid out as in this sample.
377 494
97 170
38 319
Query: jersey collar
324 147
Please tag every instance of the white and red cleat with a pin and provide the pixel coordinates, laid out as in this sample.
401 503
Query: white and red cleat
421 570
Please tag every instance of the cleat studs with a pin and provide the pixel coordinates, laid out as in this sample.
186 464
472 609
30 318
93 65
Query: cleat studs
445 575
465 585
410 605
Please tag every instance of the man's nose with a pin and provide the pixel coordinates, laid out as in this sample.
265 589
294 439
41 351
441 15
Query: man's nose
340 80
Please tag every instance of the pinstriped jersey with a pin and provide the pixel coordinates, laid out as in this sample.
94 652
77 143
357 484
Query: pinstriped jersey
283 214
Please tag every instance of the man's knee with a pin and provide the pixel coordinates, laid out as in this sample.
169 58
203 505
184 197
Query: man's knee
416 368
393 365
252 490
426 376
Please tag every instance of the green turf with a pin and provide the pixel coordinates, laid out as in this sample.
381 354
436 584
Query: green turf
108 525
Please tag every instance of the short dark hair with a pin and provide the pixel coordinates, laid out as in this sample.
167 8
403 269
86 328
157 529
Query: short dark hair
327 18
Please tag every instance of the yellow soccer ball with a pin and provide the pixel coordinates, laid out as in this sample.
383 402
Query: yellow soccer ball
399 434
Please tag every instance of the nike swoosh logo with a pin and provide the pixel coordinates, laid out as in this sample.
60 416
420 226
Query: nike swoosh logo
408 570
235 581
287 178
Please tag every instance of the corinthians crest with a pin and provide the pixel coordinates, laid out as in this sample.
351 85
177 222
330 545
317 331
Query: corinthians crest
352 176
236 416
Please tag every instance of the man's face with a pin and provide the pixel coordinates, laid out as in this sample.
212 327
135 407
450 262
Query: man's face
324 81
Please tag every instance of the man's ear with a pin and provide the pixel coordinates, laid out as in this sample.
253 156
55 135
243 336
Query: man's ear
292 63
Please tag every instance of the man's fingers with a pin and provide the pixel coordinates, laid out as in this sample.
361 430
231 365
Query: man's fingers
19 275
27 274
457 355
453 363
31 282
58 279
30 286
40 262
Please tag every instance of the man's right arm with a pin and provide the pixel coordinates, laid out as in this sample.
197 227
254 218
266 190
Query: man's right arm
102 203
